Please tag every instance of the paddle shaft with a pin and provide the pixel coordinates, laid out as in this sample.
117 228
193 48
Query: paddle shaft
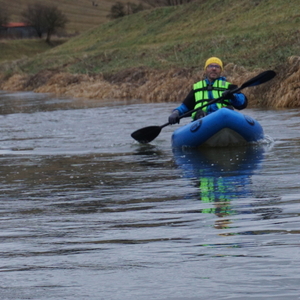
204 105
192 111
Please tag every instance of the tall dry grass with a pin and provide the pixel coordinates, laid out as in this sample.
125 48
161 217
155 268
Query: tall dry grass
160 86
286 91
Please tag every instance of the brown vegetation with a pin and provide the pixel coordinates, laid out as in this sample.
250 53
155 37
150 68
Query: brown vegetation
285 92
160 86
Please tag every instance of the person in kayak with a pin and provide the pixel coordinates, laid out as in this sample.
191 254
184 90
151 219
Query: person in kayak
212 87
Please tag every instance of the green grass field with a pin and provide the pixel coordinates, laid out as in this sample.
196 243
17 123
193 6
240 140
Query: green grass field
254 34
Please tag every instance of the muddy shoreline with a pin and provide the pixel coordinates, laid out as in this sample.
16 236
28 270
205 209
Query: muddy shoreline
160 86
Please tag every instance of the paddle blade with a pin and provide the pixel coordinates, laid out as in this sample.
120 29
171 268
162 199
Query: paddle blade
259 79
147 134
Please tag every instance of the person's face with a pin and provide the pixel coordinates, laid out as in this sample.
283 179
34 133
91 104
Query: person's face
213 71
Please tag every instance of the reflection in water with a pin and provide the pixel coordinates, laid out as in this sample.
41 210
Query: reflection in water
222 175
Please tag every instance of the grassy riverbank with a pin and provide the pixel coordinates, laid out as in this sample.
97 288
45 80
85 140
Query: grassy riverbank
24 48
249 36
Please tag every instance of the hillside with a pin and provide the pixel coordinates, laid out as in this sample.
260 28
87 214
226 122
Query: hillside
82 14
157 54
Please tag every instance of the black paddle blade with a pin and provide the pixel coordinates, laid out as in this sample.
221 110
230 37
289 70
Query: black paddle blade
147 134
259 79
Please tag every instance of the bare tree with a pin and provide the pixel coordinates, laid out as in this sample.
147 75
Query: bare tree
34 15
4 16
54 19
119 10
45 19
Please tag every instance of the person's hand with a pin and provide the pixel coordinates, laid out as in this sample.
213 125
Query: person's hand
174 117
228 95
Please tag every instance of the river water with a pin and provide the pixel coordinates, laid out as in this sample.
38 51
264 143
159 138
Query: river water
88 213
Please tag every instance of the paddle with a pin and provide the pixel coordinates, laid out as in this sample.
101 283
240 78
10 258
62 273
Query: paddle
147 134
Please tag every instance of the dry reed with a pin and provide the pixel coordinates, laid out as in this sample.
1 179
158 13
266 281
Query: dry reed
161 86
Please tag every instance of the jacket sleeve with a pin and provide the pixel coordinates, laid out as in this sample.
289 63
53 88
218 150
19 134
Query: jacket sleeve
190 101
187 104
181 109
239 101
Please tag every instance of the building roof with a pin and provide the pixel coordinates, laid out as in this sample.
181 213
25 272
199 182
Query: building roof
15 24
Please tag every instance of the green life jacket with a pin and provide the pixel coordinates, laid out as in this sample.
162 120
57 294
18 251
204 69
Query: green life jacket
201 90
